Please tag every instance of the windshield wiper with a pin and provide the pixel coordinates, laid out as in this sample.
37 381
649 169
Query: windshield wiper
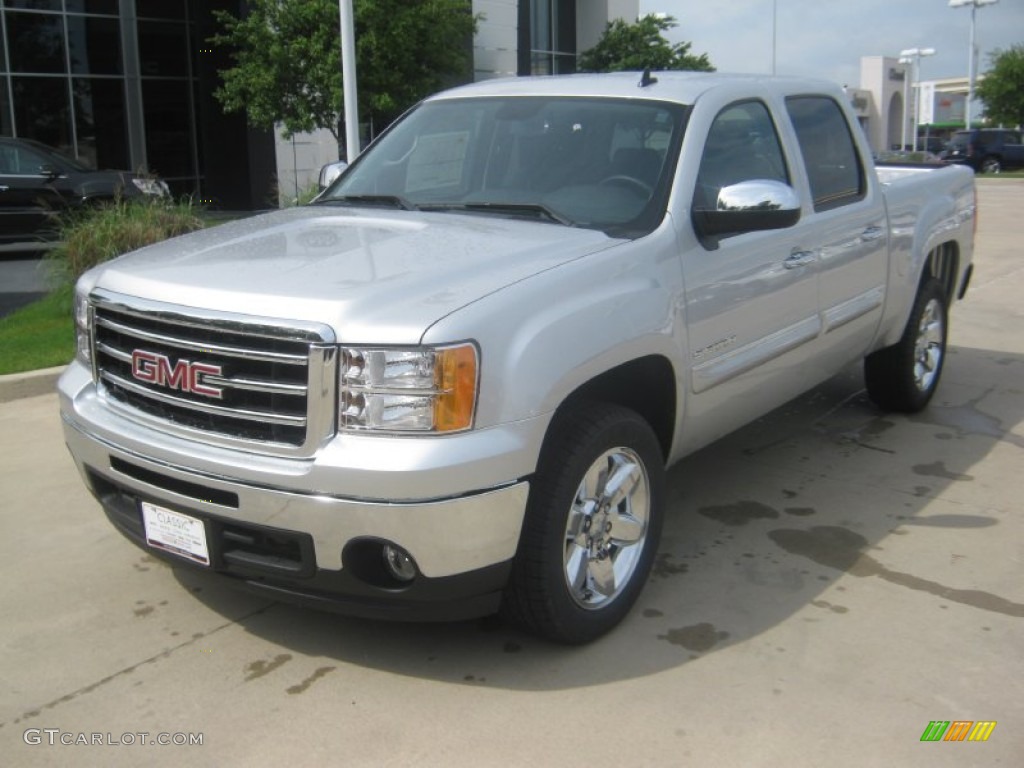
533 210
392 201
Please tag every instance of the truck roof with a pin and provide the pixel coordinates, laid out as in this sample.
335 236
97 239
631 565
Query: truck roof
680 87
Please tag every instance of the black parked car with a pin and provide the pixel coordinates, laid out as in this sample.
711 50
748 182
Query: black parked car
987 150
38 183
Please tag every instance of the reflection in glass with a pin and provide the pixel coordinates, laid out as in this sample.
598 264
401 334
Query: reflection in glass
100 122
161 9
168 120
43 111
34 5
107 7
95 46
37 42
163 49
6 126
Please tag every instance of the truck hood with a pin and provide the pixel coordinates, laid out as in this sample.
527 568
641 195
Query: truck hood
374 277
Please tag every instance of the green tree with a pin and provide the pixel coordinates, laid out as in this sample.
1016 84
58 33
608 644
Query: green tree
638 46
1002 88
287 60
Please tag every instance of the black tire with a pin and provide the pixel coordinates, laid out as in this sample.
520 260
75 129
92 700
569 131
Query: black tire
991 165
904 377
595 502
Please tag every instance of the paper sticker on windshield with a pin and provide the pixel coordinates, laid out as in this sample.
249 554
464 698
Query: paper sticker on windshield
436 161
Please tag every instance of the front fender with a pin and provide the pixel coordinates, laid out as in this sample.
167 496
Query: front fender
545 336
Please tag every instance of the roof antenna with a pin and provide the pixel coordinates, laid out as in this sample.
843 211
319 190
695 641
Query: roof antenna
646 78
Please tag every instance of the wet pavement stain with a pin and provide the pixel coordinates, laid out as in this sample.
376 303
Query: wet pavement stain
968 419
304 685
261 668
800 511
740 513
663 567
829 606
152 660
698 637
938 469
842 549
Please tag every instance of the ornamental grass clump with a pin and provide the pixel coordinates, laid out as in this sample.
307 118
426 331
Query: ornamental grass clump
96 235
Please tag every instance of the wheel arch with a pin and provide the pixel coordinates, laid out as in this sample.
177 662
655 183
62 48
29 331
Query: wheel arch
646 385
943 264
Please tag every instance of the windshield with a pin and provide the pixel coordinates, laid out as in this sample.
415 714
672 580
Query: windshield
598 163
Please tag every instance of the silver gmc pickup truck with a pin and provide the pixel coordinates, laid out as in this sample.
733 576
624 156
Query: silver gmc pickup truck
452 384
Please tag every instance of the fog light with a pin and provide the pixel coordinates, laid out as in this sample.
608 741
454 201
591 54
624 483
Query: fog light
399 563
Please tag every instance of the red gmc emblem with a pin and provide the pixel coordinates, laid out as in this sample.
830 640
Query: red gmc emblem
183 375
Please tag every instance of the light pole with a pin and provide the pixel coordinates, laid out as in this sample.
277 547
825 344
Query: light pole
775 28
975 5
348 77
915 54
906 101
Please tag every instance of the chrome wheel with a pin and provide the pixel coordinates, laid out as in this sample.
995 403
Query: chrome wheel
606 528
928 349
903 377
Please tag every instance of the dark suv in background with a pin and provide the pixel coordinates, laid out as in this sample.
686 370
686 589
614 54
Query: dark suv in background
38 183
986 150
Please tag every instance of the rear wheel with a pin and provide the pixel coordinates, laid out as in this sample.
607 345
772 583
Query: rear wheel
904 377
592 525
991 165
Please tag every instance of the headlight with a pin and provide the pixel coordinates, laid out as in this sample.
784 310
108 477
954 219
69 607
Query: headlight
419 389
151 187
83 322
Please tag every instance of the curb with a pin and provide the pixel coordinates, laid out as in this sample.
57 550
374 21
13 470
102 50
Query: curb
15 386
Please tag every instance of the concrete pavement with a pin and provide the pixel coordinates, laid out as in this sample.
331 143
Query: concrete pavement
831 580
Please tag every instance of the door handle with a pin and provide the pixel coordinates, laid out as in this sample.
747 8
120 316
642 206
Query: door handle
872 233
799 259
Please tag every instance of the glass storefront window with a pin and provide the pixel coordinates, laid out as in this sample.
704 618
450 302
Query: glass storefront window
36 42
168 116
35 5
100 122
95 46
42 111
160 9
6 126
163 49
106 7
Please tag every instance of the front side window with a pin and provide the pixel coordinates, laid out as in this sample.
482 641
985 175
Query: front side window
834 169
742 145
598 163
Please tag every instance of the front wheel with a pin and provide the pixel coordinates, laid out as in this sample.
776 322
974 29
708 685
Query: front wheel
592 525
904 377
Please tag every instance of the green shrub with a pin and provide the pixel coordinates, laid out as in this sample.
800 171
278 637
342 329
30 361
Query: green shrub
95 235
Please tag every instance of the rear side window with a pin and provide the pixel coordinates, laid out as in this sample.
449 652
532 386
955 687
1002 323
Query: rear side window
834 168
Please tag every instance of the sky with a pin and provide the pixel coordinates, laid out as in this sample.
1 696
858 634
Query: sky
827 38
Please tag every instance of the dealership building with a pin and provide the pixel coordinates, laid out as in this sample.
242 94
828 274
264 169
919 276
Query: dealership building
887 100
129 84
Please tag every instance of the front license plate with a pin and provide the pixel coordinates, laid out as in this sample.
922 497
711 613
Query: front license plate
176 533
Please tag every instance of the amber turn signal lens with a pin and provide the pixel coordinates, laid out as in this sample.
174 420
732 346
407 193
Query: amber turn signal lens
455 384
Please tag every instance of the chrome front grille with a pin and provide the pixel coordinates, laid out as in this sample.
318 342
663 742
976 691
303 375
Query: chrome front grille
221 378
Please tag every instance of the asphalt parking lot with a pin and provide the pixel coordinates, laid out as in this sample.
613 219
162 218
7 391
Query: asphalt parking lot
831 580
